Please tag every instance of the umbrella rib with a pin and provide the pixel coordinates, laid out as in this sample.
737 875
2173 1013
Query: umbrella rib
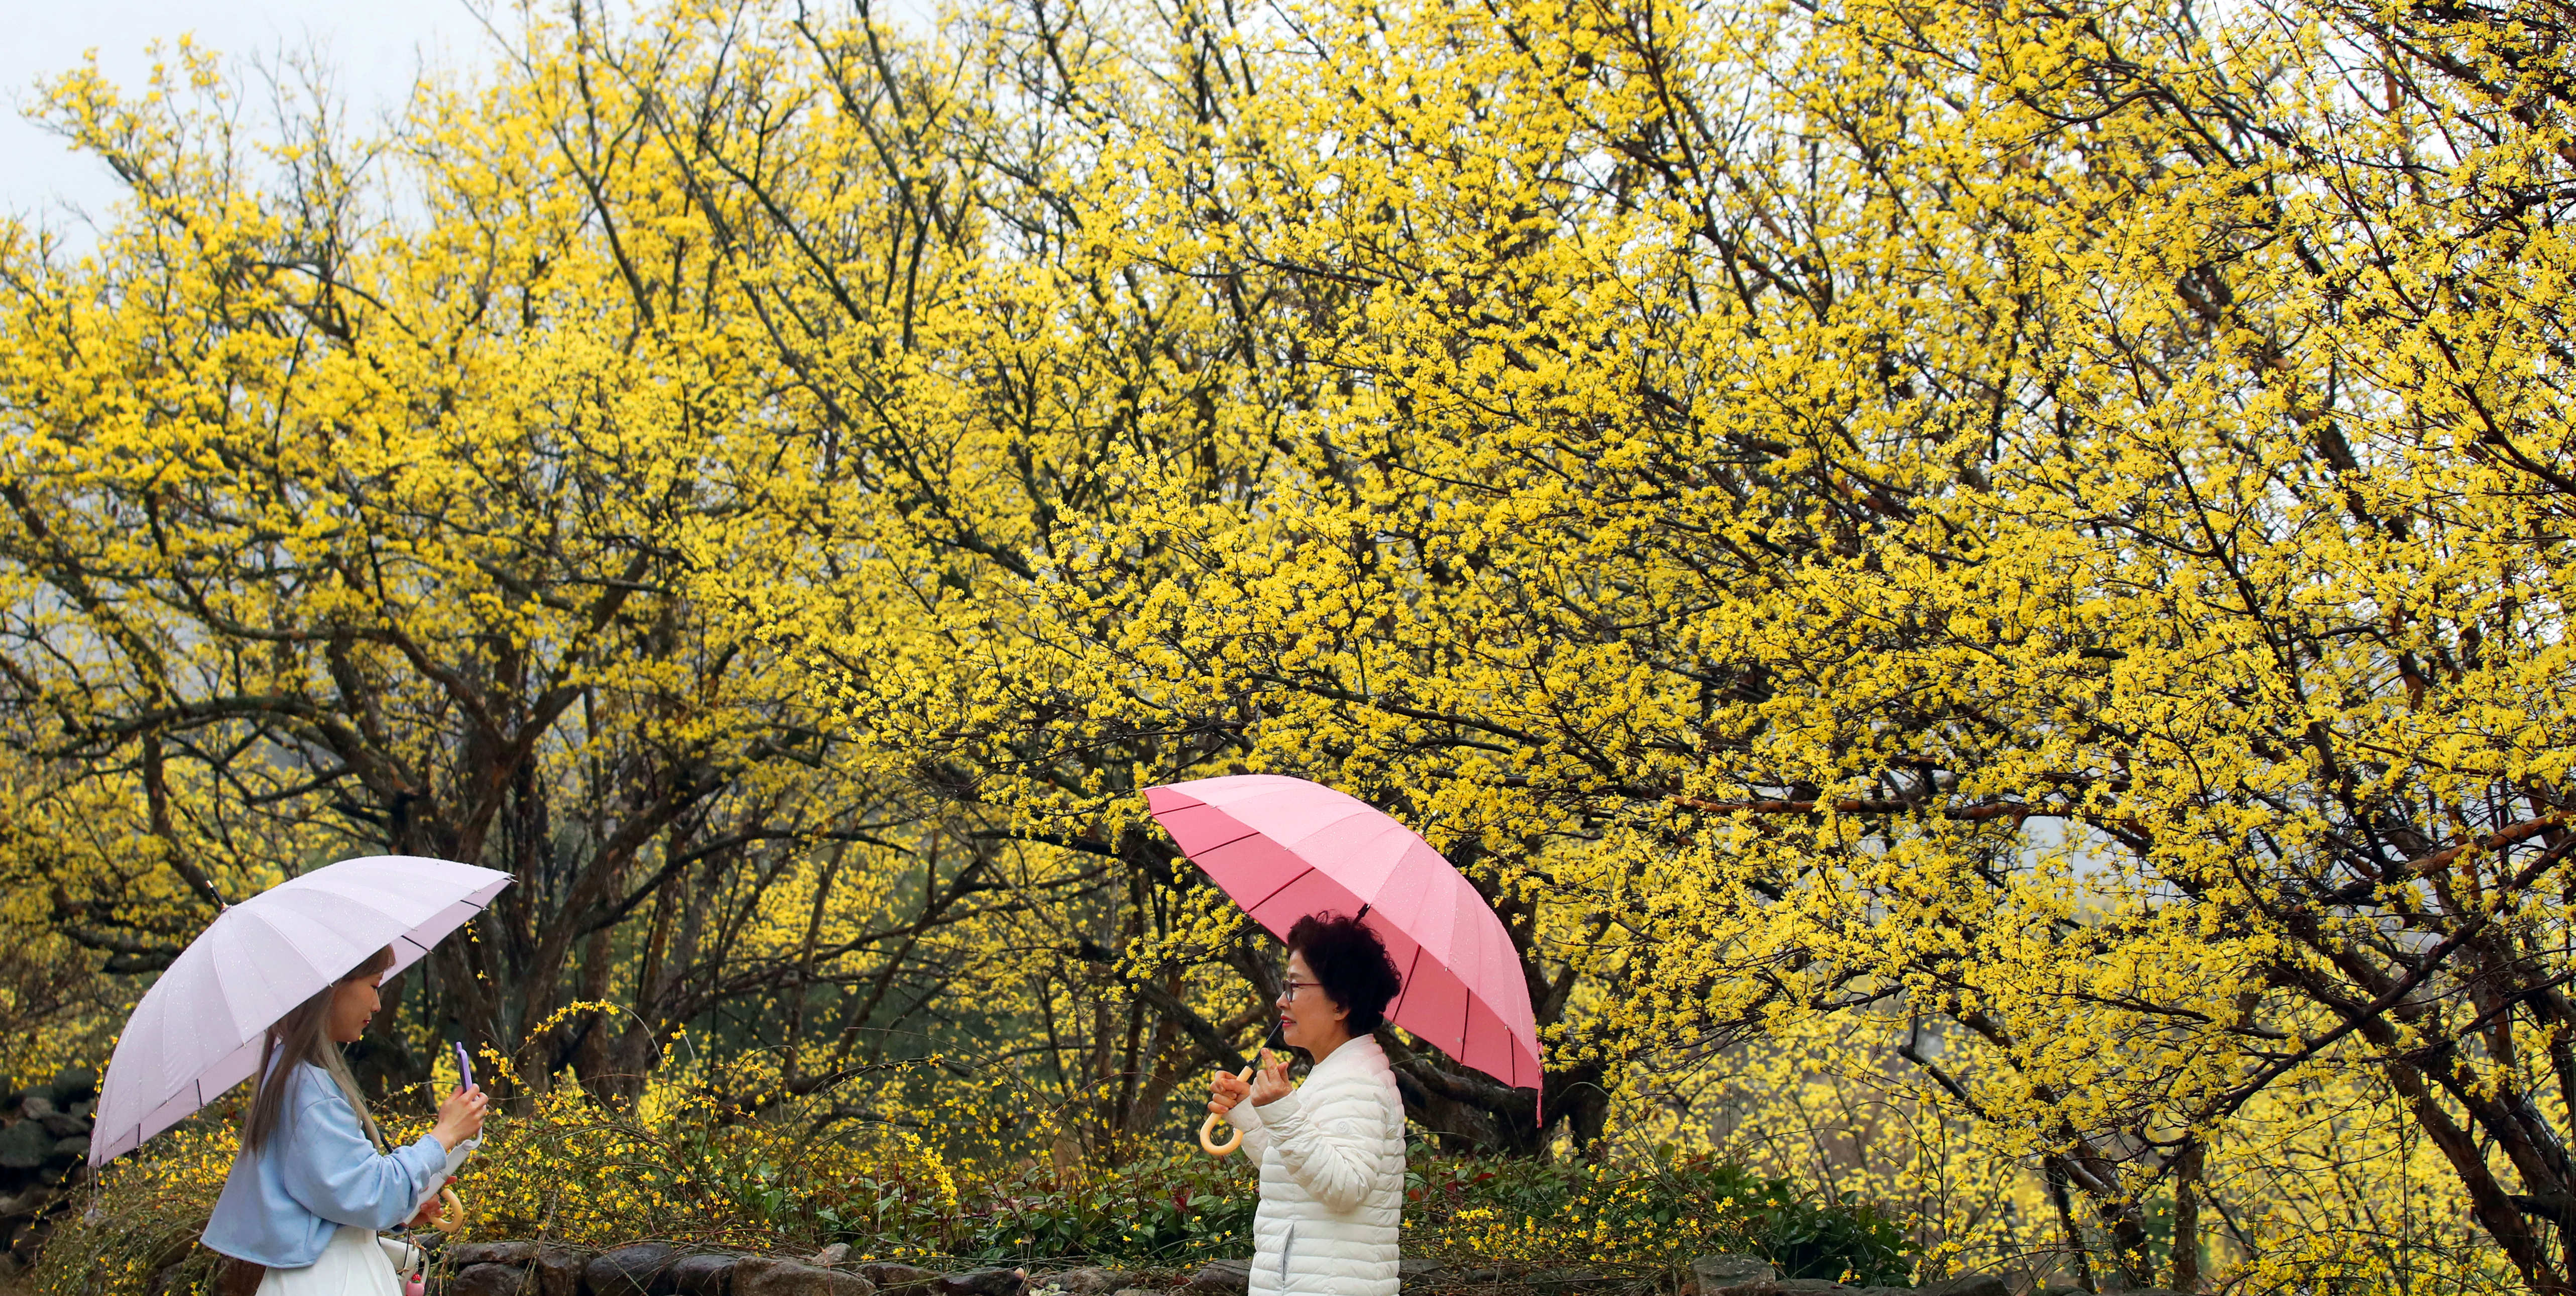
1407 991
1274 891
1247 832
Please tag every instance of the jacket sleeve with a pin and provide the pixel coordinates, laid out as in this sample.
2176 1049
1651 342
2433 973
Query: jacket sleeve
1331 1151
1256 1136
331 1170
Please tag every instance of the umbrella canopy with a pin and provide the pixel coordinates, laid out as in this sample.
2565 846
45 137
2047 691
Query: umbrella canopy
197 1032
1285 848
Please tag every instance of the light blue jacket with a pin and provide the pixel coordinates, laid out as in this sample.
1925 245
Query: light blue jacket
317 1173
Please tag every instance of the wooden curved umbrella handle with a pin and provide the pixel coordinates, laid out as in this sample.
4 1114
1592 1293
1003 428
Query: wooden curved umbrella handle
451 1213
1208 1126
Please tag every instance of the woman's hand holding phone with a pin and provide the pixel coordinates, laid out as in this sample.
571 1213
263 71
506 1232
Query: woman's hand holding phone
460 1117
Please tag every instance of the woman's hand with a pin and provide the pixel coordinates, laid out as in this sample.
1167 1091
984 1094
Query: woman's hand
1270 1084
1224 1091
428 1215
460 1117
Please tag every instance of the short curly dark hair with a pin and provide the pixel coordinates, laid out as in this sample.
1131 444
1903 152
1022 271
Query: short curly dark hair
1351 963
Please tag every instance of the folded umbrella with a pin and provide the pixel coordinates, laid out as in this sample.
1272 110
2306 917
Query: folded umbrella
199 1028
1284 848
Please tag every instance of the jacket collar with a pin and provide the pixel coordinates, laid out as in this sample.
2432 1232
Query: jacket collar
1360 1054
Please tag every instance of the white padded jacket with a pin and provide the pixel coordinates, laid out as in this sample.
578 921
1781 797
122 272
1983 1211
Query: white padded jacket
1332 1179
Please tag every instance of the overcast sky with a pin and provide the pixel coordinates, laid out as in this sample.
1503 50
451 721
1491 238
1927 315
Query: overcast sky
376 47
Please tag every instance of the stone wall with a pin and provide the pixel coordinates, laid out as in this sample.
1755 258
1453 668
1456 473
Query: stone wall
44 1154
661 1269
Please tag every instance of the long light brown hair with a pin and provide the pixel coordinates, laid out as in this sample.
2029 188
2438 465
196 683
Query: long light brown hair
301 1036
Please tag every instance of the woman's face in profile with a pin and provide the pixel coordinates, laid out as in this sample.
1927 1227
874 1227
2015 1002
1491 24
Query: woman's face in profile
352 1004
1308 1018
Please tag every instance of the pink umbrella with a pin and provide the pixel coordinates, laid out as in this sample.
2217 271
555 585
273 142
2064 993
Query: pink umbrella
1285 848
197 1032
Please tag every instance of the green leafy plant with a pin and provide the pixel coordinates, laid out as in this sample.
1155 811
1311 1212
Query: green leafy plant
1644 1218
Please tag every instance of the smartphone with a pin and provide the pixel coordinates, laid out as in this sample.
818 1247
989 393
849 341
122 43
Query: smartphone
464 1067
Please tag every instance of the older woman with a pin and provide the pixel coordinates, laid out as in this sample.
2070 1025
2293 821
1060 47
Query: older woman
1332 1149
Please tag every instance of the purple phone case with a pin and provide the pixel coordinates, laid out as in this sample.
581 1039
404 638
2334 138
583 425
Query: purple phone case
464 1067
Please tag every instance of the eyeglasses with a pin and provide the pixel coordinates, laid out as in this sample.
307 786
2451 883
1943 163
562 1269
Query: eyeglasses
1295 986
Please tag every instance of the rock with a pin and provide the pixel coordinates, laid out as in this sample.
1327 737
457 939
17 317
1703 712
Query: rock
466 1254
177 1250
889 1276
1221 1278
37 1107
1140 1291
830 1255
488 1280
1481 1277
1091 1281
179 1264
71 1085
1565 1282
1728 1275
70 1150
62 1126
25 1144
559 1271
982 1282
702 1275
1807 1287
768 1276
1411 1274
639 1269
1967 1285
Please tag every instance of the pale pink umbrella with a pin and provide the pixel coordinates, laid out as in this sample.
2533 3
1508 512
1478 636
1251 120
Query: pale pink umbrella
198 1030
1284 848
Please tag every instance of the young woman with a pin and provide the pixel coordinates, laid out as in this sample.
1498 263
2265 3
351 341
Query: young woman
310 1189
1331 1150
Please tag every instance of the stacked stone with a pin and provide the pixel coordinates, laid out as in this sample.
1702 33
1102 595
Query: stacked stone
44 1154
660 1269
1726 1275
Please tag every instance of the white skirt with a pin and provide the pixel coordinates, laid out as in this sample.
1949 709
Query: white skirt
353 1265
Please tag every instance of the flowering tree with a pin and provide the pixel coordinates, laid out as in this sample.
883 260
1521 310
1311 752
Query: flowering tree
2024 533
328 537
2001 560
